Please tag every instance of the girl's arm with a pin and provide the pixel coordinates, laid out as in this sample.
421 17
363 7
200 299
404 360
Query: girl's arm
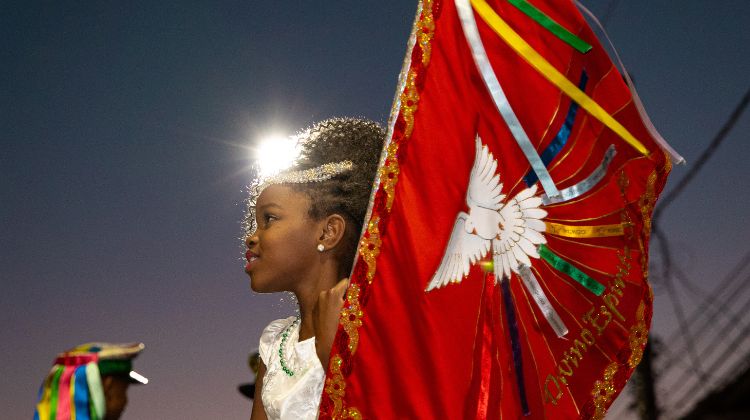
326 319
259 413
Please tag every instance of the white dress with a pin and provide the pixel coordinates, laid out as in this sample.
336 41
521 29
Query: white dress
290 397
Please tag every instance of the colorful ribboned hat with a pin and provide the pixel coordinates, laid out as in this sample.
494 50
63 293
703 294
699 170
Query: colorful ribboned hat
73 388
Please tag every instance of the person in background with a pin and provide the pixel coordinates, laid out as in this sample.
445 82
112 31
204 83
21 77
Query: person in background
89 382
253 362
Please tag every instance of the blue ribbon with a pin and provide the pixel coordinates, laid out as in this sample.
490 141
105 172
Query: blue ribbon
562 136
515 344
81 394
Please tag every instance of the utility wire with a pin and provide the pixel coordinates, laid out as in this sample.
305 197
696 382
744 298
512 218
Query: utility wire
704 157
676 303
713 299
666 274
723 358
724 332
611 6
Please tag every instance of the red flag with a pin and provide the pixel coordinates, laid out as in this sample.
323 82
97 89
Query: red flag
480 291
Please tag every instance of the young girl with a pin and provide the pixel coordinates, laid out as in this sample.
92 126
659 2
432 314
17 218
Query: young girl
303 229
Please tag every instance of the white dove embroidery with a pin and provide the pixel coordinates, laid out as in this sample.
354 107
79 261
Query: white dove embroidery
511 229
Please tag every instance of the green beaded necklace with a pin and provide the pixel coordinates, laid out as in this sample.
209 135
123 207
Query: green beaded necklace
284 337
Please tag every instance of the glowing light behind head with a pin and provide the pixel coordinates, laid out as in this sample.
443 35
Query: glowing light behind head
275 154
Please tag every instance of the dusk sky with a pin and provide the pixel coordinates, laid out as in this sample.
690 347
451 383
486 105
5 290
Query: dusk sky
126 131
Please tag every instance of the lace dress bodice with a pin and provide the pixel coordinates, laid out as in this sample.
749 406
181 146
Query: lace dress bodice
290 397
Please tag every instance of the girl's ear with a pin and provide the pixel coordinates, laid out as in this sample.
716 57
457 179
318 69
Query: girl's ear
334 227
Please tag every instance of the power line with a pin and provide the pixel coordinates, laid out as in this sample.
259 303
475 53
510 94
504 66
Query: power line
666 272
677 304
723 333
719 362
704 157
611 6
699 314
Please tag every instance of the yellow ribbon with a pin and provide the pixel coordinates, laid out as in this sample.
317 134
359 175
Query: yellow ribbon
552 74
585 231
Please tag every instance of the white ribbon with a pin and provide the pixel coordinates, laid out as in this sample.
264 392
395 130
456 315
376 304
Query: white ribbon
532 285
676 158
469 25
584 186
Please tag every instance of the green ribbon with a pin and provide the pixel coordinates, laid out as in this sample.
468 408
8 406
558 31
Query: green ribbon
54 391
539 17
567 268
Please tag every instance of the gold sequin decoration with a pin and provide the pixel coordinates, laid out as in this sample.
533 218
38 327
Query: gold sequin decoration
369 247
389 174
321 173
647 203
335 388
351 317
638 337
370 243
603 392
408 99
426 31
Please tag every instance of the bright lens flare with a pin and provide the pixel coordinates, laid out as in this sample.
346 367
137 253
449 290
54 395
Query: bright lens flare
274 154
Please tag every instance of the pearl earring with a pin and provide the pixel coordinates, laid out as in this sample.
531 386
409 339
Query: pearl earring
321 248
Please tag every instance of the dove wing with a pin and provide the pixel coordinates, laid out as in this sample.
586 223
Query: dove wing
463 250
484 185
520 234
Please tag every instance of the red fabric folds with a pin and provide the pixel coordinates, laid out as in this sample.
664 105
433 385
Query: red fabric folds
445 353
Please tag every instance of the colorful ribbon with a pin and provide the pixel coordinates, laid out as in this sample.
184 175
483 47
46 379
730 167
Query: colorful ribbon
599 231
547 70
567 268
63 403
532 285
555 28
80 395
96 390
515 344
562 136
469 25
586 184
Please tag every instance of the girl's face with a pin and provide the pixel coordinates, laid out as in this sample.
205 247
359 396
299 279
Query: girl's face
283 247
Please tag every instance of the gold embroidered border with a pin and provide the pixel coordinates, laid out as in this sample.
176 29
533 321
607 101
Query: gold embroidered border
409 100
603 391
638 337
646 204
389 172
335 388
427 31
369 246
351 317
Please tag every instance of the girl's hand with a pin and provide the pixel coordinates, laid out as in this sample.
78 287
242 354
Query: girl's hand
326 319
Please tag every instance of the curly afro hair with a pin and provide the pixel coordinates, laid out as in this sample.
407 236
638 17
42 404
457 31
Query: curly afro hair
334 140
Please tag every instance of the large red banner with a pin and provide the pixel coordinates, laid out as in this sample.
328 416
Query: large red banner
486 287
